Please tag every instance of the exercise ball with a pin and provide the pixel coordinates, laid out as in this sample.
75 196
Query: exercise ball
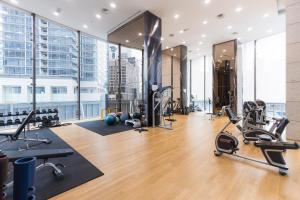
110 120
124 117
117 120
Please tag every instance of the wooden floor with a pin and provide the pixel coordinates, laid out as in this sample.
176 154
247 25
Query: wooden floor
176 164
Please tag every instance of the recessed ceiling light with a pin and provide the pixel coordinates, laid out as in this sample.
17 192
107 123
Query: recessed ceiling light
172 49
224 50
127 41
174 54
14 1
98 16
113 5
250 29
238 9
221 56
198 49
229 27
203 35
269 31
181 31
205 22
183 42
266 15
200 43
167 47
176 16
140 34
238 38
55 13
162 39
206 1
85 26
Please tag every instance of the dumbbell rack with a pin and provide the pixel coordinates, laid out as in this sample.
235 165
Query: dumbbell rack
36 120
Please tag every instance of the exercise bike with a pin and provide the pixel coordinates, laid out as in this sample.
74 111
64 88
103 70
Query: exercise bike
272 150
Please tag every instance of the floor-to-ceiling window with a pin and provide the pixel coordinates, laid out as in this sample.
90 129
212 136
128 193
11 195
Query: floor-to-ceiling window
15 60
270 73
113 77
93 76
198 82
57 68
208 83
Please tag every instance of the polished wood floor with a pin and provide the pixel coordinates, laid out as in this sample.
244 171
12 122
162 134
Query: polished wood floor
176 164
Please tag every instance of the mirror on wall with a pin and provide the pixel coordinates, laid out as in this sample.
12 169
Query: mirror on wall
224 76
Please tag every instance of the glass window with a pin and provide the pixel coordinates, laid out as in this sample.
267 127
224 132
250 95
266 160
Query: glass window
15 60
198 82
57 68
270 73
93 76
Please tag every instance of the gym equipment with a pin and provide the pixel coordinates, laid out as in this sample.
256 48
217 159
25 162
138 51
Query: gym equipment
14 136
37 111
136 116
1 114
9 122
17 113
110 120
55 110
160 101
42 154
124 117
9 114
135 123
3 174
44 111
142 119
24 173
2 123
50 110
18 121
24 112
38 119
272 150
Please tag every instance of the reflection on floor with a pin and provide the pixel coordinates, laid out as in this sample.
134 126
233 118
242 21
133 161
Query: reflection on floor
176 164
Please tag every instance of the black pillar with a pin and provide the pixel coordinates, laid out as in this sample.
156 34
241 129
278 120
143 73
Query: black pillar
183 76
152 62
119 95
34 63
78 76
191 81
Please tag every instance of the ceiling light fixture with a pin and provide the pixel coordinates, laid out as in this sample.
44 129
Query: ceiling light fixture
113 5
181 31
200 43
224 50
127 41
229 27
14 1
176 16
266 15
85 26
205 22
269 31
238 9
55 13
203 35
172 49
206 1
250 29
183 42
162 39
167 47
98 16
140 34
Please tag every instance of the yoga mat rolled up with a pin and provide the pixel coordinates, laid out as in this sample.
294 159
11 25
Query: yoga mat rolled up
3 173
24 173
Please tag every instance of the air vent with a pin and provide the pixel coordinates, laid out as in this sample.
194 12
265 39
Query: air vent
171 35
220 16
105 11
235 33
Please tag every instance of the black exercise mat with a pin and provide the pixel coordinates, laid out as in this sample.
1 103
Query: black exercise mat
78 170
100 127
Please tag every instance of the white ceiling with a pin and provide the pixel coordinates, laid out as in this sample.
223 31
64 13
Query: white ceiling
75 13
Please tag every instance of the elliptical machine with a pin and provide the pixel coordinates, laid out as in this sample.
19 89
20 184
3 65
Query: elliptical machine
272 150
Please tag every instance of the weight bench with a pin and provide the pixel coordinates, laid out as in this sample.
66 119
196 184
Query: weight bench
14 136
42 154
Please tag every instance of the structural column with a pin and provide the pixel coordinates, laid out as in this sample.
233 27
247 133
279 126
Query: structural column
293 68
152 62
184 77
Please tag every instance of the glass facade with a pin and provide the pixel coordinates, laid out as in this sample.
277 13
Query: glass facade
57 67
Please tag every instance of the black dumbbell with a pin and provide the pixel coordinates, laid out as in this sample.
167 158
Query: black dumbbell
50 110
2 123
44 119
1 114
55 110
17 121
37 111
9 114
17 113
44 111
50 118
9 122
24 112
56 117
38 119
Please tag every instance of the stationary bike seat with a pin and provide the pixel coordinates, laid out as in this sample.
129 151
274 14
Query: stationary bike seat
265 137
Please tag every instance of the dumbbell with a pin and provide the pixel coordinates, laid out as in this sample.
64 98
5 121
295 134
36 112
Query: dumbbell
17 121
50 118
9 122
37 111
2 123
44 119
9 114
55 110
24 112
44 111
17 113
50 110
56 117
38 119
